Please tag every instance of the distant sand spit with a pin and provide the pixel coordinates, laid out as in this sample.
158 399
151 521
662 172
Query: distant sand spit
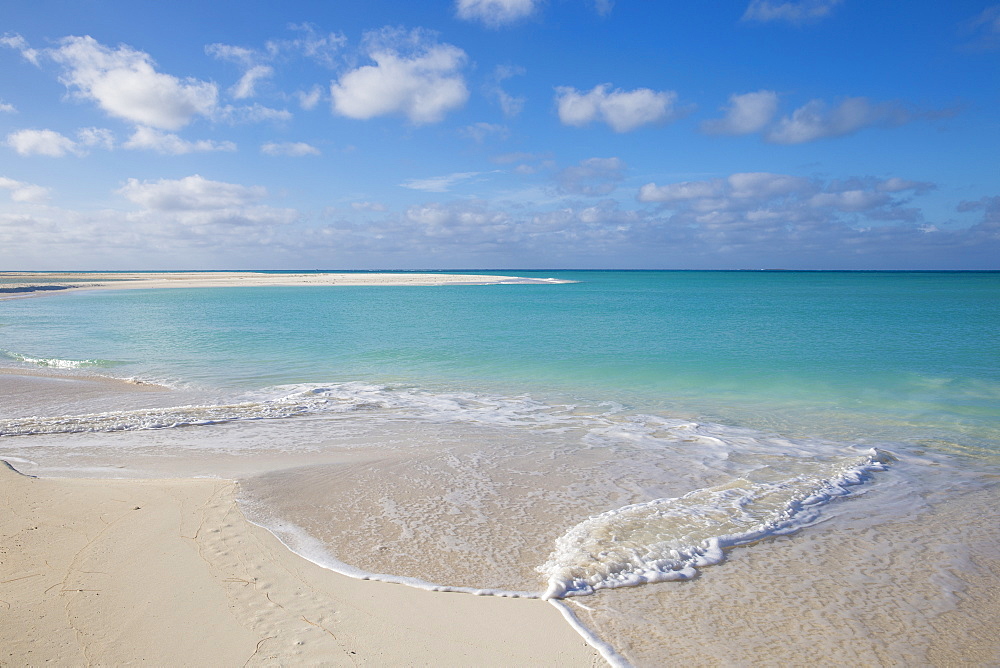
18 284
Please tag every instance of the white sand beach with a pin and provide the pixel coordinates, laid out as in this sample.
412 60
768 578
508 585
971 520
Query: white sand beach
168 572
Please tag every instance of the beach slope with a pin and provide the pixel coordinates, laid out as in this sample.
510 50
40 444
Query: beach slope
169 572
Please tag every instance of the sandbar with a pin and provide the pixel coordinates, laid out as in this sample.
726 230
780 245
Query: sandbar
21 284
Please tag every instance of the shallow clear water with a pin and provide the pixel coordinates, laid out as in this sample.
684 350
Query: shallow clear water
659 429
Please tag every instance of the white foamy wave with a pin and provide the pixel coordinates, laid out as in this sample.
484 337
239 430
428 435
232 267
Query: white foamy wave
158 418
53 362
432 406
292 401
670 539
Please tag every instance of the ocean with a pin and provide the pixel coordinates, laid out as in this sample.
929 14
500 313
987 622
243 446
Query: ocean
707 467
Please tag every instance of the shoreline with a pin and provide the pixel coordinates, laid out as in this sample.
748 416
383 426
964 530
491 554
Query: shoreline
169 571
113 571
14 285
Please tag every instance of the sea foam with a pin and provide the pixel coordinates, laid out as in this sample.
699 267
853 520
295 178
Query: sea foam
670 539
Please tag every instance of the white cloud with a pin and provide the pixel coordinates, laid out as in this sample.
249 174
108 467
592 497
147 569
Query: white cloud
814 120
592 177
803 11
254 113
150 139
309 100
369 206
622 110
764 185
853 223
234 54
746 114
439 184
24 192
247 85
511 105
191 193
495 13
41 142
7 108
850 200
985 29
18 43
752 198
737 190
480 131
125 84
292 149
604 7
321 48
674 192
423 85
96 138
471 223
259 65
896 184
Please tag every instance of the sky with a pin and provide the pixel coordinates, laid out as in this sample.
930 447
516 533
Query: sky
500 134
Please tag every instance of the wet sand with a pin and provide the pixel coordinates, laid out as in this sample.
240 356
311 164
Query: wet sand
169 572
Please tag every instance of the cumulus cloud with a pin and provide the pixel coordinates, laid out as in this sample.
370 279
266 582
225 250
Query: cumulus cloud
411 76
42 142
125 84
96 138
803 11
814 120
7 108
24 192
592 177
291 149
623 110
745 114
191 193
495 13
167 143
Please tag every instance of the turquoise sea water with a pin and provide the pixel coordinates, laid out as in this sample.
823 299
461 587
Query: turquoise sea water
688 415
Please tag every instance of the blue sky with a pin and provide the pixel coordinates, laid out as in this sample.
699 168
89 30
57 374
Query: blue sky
814 134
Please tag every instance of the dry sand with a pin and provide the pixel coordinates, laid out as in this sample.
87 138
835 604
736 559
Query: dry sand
168 572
